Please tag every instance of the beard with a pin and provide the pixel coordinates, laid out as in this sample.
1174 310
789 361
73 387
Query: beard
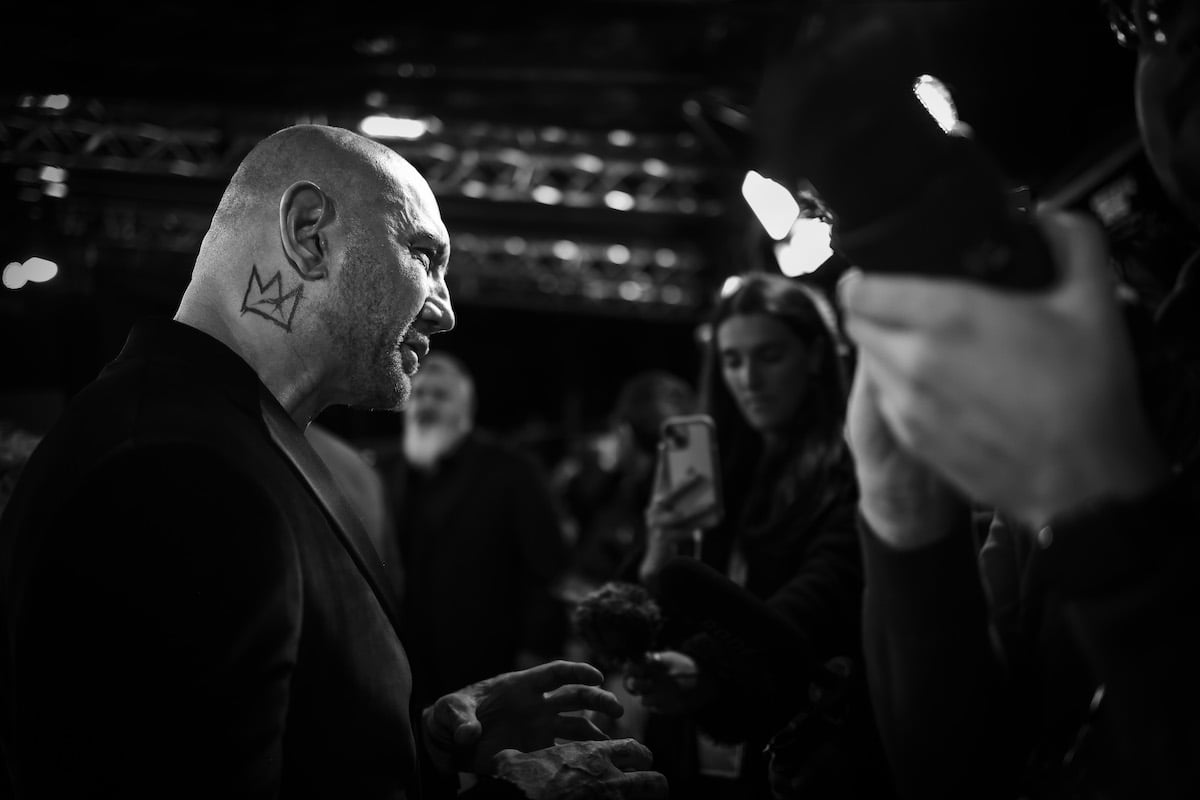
393 385
381 382
427 443
364 325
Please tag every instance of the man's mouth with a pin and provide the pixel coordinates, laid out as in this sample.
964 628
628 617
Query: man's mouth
414 347
409 361
418 343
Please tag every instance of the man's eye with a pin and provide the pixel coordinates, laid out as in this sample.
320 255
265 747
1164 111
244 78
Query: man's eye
434 259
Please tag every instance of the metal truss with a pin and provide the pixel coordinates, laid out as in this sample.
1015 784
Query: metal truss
600 277
498 164
505 166
78 142
581 180
595 276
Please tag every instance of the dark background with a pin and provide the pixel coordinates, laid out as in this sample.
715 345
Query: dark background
165 97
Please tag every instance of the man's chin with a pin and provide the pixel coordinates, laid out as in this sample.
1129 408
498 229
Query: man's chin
392 398
402 393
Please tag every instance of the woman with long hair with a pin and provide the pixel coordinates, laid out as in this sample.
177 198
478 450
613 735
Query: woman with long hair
784 558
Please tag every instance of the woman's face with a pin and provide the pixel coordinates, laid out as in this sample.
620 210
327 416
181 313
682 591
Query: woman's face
765 367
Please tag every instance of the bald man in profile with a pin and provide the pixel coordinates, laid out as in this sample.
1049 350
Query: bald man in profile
189 607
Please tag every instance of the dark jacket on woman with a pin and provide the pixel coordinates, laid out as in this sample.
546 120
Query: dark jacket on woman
765 645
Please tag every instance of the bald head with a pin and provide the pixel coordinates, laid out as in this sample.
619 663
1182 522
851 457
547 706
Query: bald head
337 160
325 265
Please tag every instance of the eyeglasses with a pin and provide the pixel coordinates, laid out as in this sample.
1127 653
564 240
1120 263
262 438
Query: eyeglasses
1138 22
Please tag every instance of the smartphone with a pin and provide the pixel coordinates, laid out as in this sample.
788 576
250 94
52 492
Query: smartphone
689 448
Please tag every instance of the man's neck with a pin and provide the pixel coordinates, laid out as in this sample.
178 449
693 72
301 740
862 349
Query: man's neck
292 382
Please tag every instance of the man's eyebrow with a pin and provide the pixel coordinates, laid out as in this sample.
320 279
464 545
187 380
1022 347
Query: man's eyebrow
435 241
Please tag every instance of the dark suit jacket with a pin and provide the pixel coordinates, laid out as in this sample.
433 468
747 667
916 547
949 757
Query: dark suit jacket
187 606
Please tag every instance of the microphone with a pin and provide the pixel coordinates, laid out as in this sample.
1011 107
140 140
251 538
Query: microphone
619 622
699 596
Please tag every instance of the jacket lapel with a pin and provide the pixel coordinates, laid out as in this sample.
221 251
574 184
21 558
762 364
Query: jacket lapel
291 443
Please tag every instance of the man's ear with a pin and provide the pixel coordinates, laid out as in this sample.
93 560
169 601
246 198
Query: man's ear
304 214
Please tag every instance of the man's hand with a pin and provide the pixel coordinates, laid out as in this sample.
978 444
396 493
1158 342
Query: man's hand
668 682
609 770
905 503
525 711
1025 401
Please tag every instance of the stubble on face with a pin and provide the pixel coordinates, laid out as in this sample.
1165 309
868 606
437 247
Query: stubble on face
367 322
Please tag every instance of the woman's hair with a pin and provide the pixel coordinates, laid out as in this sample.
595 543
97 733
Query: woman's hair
815 442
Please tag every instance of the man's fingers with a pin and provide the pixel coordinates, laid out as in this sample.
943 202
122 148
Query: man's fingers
639 786
627 754
904 300
467 733
577 698
1080 249
901 353
451 713
451 728
577 729
549 676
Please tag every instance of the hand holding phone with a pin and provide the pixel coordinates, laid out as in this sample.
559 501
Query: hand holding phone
689 486
687 491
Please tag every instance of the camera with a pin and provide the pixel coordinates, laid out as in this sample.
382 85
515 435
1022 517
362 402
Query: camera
837 112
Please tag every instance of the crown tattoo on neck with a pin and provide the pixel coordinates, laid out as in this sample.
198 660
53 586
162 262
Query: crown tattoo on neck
269 301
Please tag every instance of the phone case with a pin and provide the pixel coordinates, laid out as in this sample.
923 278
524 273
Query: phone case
690 448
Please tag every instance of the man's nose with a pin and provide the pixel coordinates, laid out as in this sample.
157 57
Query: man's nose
437 315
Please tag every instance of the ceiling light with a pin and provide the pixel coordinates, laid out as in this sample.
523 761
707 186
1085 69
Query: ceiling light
620 138
565 250
587 162
621 201
618 254
51 174
56 102
547 194
656 167
381 126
